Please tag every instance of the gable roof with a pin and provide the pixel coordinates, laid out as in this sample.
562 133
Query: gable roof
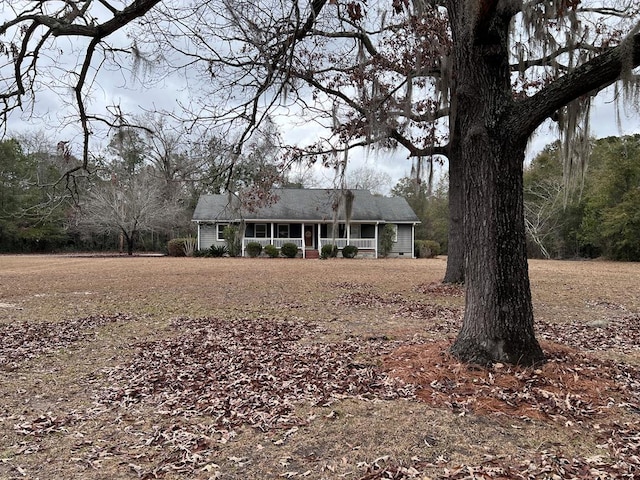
304 205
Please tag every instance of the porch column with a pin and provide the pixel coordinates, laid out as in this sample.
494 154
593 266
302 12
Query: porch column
413 240
304 246
375 239
347 226
198 223
243 238
271 232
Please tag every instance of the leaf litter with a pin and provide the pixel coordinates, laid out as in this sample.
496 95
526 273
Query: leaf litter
28 340
243 372
231 369
573 389
254 372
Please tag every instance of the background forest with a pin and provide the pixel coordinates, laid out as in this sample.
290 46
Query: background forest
596 216
144 187
136 194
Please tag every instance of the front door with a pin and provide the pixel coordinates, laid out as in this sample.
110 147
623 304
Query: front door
308 236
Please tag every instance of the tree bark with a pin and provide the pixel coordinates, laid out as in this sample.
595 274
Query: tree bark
498 319
456 243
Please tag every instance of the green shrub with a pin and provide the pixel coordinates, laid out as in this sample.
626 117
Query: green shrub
271 250
254 249
328 251
200 253
350 251
232 239
217 250
386 239
175 247
427 248
289 250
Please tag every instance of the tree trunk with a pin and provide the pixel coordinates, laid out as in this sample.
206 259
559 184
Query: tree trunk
130 242
498 319
455 248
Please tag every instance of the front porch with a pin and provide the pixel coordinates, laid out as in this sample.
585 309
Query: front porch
312 237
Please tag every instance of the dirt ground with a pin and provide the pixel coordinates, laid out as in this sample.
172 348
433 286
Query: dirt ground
208 368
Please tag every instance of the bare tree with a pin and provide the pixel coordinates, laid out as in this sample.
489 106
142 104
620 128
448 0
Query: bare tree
127 204
186 165
542 206
368 178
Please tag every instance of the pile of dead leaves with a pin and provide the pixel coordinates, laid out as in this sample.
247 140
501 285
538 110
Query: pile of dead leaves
28 340
248 372
231 373
570 387
440 320
621 334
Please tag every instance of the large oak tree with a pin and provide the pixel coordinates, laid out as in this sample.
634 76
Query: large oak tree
470 80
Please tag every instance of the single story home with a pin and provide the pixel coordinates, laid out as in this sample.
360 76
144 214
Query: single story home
310 218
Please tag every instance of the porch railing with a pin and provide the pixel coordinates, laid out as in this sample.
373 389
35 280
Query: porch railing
277 242
361 243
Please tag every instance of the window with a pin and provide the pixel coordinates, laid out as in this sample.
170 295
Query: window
220 231
337 231
368 231
283 230
261 230
395 232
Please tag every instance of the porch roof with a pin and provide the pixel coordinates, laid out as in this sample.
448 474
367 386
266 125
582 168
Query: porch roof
307 205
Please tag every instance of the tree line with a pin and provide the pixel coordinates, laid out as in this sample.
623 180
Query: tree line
144 189
596 216
136 193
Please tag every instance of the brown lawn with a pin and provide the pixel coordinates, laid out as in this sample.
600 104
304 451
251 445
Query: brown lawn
151 367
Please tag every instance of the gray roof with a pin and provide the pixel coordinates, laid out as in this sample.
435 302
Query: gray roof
304 205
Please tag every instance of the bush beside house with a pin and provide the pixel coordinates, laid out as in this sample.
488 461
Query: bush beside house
427 248
328 251
254 249
350 251
289 250
176 247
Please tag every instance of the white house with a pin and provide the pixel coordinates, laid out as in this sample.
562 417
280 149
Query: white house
311 218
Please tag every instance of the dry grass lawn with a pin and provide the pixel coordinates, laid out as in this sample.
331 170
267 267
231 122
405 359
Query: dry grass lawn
154 367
